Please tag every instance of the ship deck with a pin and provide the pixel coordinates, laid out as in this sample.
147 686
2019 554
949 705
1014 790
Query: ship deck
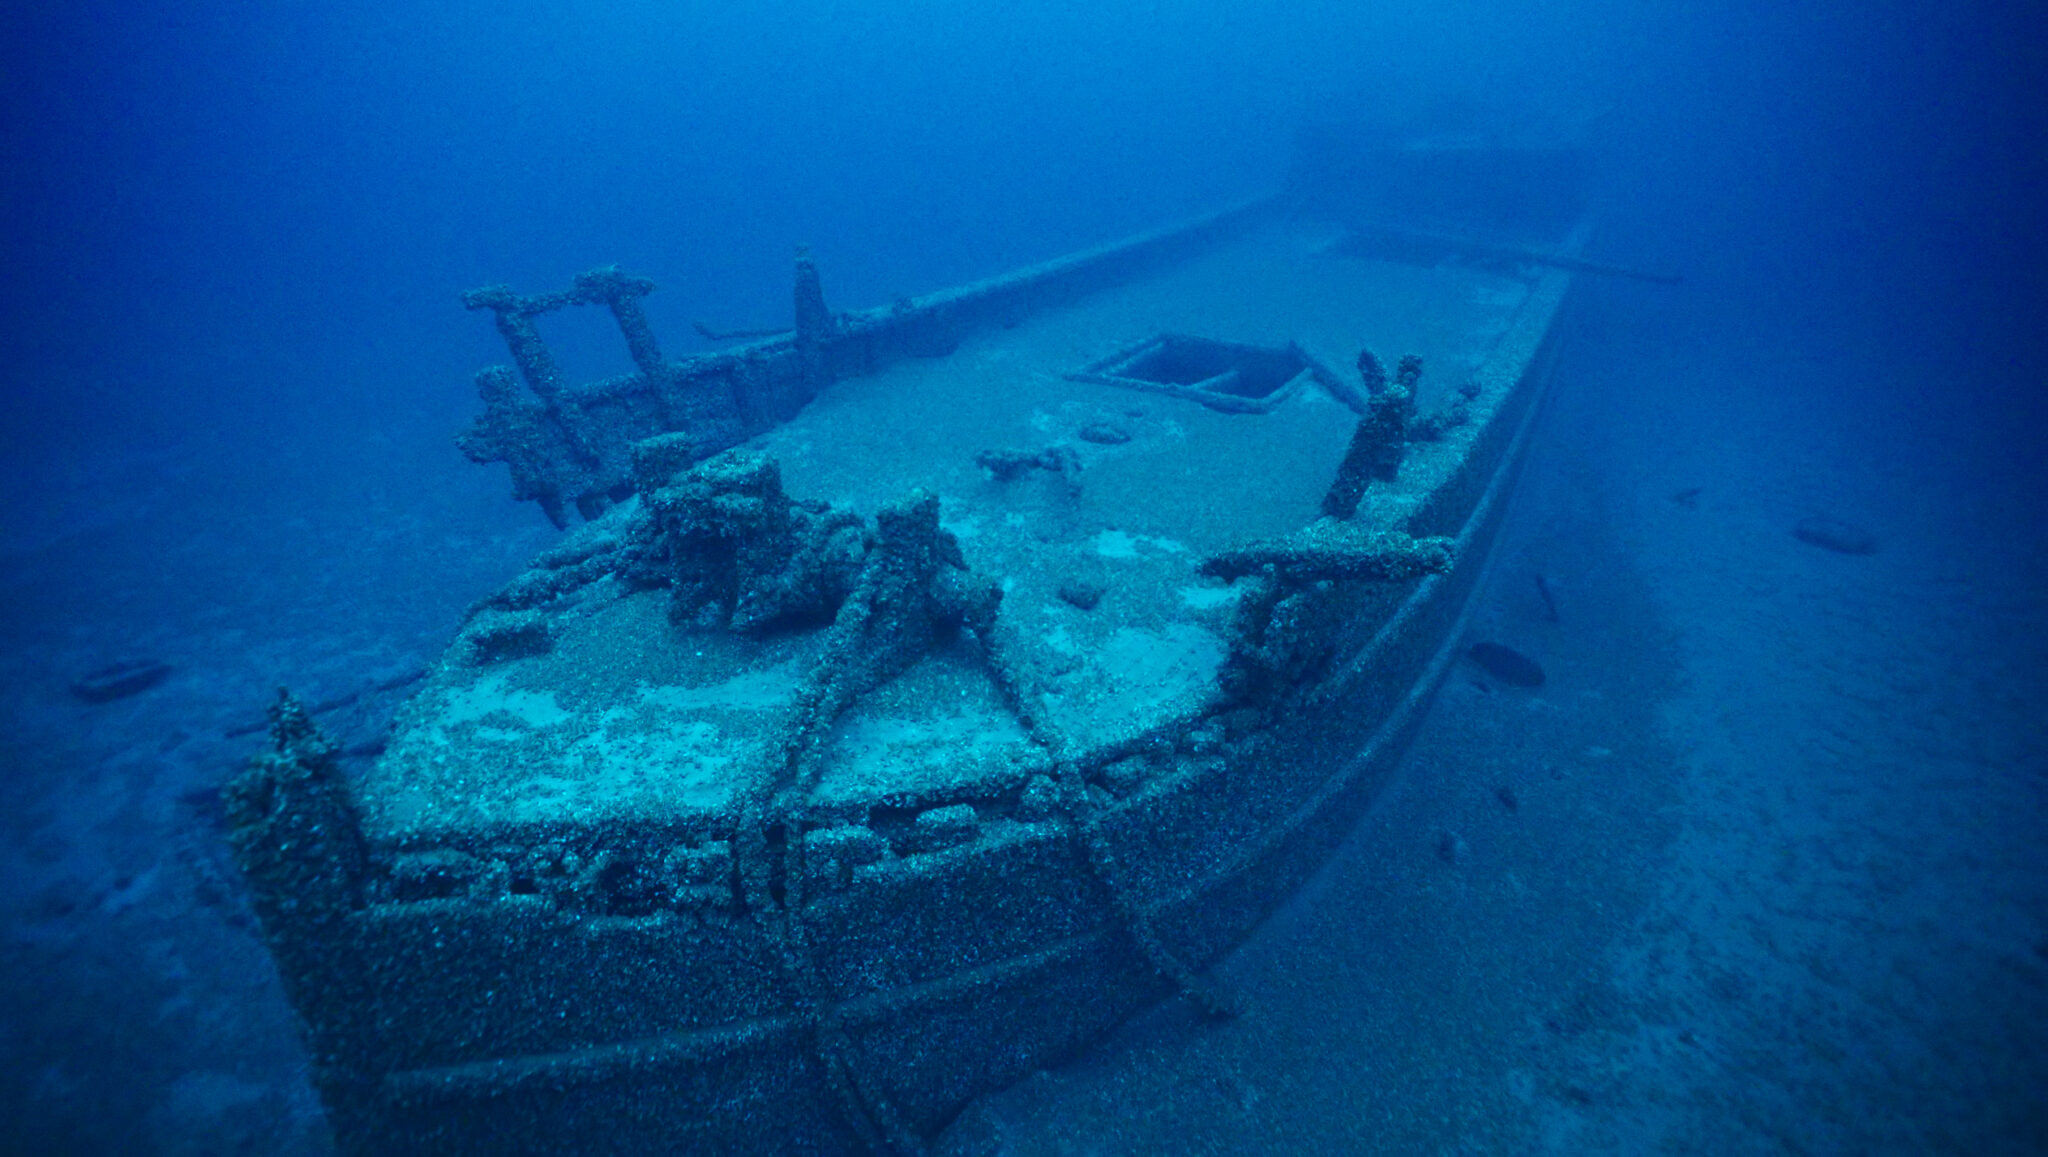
631 718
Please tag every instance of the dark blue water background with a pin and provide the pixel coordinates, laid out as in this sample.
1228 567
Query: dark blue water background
228 217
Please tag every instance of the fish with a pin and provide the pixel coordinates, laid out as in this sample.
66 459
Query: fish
1836 535
1506 664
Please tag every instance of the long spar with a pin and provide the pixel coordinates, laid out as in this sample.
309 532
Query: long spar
1491 251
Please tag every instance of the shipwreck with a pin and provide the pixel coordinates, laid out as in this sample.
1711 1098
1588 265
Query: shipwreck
921 690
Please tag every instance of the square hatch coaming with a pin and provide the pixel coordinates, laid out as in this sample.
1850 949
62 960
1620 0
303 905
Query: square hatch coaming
1228 376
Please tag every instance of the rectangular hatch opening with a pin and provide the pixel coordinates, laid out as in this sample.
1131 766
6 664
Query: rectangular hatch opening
1228 376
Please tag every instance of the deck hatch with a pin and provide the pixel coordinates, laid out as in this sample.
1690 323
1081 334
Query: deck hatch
1228 376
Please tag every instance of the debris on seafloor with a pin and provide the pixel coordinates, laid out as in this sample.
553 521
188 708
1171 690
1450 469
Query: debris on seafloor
1506 664
1835 534
120 680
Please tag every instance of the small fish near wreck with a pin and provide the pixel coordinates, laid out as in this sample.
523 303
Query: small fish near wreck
928 688
1835 535
1506 664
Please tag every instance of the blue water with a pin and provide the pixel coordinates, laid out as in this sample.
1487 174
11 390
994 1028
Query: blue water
1775 880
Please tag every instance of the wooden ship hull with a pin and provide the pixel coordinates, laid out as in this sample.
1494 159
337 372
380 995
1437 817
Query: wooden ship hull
929 689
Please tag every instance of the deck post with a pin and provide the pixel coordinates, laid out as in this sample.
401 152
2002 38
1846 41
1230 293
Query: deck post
814 323
299 842
622 295
515 325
